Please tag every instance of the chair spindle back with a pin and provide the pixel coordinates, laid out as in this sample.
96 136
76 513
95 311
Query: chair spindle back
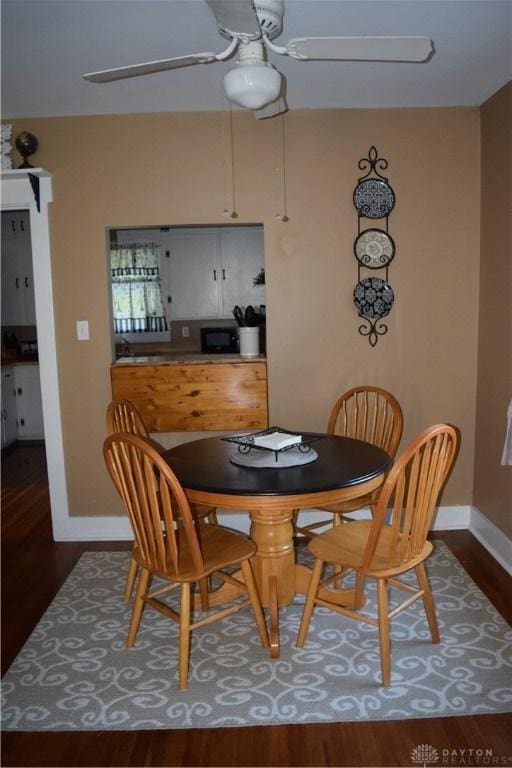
123 416
409 495
368 413
154 500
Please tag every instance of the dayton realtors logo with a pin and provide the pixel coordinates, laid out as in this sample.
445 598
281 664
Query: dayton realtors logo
426 754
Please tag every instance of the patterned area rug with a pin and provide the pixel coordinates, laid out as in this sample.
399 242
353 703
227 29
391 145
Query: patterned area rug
75 672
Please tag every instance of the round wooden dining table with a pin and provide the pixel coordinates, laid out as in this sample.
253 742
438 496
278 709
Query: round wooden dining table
344 469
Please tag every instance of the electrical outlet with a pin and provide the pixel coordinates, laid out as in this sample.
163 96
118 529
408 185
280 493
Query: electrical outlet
185 331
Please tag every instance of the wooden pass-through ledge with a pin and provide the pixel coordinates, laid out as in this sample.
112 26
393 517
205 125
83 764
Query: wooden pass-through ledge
202 395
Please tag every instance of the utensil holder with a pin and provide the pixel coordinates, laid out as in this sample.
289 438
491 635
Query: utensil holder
249 341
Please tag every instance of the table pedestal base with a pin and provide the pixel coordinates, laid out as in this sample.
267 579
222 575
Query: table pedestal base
277 575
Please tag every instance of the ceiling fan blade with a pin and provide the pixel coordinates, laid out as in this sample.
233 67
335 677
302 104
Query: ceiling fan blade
236 17
276 107
361 48
148 67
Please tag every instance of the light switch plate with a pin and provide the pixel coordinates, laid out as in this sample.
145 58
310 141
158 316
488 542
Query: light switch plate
82 330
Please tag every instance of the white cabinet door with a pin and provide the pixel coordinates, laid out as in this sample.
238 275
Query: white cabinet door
12 310
242 259
194 273
18 304
9 426
27 272
29 407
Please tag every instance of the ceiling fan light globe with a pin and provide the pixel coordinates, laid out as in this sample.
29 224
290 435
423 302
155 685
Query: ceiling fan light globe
252 86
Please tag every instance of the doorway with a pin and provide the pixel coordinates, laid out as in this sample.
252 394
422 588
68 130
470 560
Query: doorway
32 191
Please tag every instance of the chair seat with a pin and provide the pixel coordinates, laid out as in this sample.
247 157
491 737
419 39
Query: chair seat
220 547
346 545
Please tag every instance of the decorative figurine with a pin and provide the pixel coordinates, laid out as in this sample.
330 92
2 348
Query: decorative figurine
26 144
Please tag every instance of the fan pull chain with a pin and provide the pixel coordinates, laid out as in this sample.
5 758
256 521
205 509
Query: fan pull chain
229 164
280 171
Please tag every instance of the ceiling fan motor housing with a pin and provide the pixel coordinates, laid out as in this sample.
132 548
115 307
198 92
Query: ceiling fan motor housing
270 16
263 17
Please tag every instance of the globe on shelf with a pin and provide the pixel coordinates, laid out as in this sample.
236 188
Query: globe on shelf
26 144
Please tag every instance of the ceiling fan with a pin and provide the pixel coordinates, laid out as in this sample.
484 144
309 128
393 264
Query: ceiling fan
252 82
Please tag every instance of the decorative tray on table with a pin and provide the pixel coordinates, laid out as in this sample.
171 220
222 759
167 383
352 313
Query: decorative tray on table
273 448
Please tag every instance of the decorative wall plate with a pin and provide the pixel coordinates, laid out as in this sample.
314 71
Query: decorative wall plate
374 198
373 297
374 248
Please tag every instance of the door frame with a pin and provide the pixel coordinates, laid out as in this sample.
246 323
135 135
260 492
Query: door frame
17 194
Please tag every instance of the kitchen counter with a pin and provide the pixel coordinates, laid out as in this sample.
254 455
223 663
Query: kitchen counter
19 361
184 358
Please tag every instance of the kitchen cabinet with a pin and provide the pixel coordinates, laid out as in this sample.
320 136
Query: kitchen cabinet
29 409
18 303
206 270
193 273
211 270
241 257
8 412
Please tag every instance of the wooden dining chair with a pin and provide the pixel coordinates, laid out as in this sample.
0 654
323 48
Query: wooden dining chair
170 543
124 417
367 413
394 542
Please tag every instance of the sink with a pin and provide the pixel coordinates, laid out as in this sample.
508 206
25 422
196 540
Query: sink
126 356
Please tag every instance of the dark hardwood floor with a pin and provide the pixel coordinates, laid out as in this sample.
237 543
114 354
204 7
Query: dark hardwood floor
33 569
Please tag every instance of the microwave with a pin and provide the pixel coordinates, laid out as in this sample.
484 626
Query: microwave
219 340
28 349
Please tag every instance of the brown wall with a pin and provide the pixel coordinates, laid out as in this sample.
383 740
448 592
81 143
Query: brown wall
114 171
493 483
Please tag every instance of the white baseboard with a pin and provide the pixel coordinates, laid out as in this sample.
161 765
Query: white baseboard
453 518
496 543
118 528
93 529
447 518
